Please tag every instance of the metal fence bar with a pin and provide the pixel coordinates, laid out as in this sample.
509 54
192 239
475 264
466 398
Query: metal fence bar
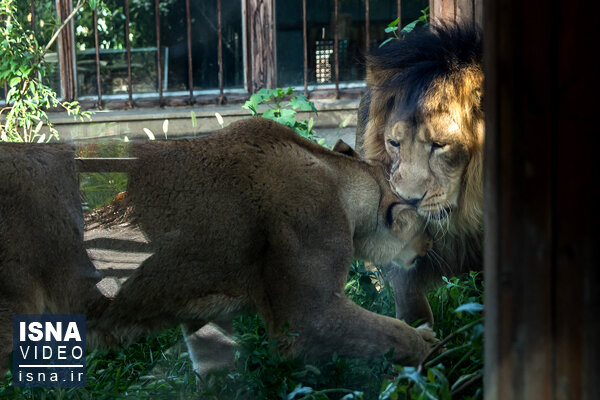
188 18
97 47
367 27
336 50
5 84
128 48
305 47
158 63
399 8
222 99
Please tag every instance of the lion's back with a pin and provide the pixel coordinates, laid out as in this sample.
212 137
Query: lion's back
250 173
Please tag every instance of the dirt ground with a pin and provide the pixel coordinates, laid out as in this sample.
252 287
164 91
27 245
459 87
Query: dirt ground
114 243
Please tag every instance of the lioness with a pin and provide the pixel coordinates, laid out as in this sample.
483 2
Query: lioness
422 117
44 267
257 219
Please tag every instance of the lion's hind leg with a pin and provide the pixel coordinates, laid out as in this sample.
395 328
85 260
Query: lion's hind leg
211 347
166 290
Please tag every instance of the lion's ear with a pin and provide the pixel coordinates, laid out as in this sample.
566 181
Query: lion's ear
344 148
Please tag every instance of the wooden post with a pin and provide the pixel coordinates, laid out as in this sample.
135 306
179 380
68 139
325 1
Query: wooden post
542 280
66 52
456 10
260 42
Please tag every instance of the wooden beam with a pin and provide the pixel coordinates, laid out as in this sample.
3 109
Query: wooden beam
456 10
542 296
66 52
464 10
260 39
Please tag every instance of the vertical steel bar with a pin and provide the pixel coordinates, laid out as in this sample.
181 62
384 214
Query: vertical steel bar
5 83
336 50
188 18
305 47
128 49
97 46
222 99
399 9
158 63
246 9
367 26
31 6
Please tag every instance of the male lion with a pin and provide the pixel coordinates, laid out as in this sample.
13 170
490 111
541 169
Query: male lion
257 219
423 119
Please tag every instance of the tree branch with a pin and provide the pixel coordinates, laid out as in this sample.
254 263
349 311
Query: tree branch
80 4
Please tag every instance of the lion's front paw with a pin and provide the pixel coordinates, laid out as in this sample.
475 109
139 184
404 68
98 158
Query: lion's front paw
431 341
427 334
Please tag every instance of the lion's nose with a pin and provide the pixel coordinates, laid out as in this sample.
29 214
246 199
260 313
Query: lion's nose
413 201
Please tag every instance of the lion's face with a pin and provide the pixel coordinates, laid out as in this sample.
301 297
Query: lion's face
425 122
428 158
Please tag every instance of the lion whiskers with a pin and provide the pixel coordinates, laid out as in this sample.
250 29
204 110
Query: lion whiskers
441 222
439 260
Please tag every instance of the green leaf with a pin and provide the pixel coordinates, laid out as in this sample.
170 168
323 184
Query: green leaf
300 101
299 390
254 101
409 27
387 41
14 81
470 308
194 122
283 116
463 379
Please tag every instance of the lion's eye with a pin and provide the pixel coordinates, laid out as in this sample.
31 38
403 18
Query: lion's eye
393 143
436 145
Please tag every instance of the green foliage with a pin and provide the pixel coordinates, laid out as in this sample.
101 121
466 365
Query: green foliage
366 288
22 67
393 27
160 367
262 373
111 25
284 113
145 370
457 307
99 188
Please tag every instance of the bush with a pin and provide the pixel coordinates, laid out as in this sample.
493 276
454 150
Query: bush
22 67
283 113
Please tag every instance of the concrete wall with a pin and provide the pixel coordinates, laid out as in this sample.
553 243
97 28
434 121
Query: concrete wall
131 123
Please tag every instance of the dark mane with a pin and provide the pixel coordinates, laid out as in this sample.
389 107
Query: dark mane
410 66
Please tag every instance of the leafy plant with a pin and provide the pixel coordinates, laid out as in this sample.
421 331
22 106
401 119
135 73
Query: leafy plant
159 367
284 113
100 188
393 26
457 307
22 67
366 287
